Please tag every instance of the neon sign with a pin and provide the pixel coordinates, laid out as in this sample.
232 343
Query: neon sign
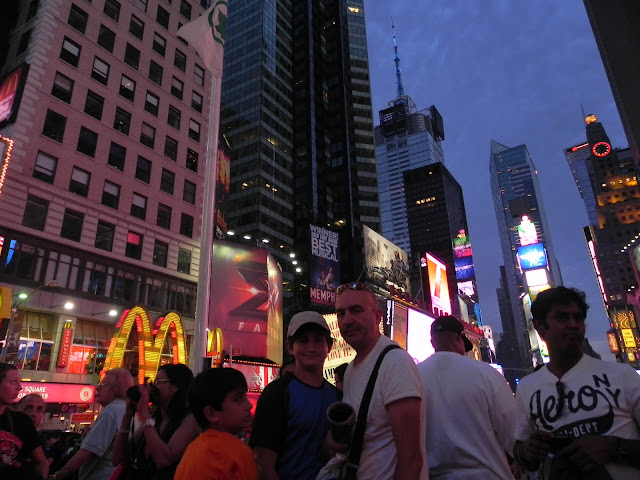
532 256
149 348
527 232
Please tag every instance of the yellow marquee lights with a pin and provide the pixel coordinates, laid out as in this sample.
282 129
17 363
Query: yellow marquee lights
149 348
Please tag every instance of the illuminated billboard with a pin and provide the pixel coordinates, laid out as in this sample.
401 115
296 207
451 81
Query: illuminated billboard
341 352
527 232
419 335
462 245
386 264
325 265
223 186
11 87
396 322
464 268
536 278
246 300
532 256
434 277
468 288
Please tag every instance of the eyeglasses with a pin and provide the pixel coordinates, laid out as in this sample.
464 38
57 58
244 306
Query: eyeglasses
561 388
158 381
352 286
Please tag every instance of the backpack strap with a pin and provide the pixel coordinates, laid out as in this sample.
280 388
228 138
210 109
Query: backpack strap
353 461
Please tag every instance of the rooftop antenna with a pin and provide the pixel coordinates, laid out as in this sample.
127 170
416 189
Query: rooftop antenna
397 62
584 115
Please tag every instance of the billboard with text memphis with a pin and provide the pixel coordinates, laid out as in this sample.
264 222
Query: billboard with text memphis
325 265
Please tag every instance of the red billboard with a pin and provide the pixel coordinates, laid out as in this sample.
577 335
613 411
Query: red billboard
11 87
246 300
59 392
65 344
436 287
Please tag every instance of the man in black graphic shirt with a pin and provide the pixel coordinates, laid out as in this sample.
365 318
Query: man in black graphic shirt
583 411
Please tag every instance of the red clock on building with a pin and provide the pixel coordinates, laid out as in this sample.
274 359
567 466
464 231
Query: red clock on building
601 149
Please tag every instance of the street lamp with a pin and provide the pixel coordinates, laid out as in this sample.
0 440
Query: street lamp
14 311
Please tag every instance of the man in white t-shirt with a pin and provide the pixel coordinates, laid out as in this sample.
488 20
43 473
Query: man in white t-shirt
582 411
394 434
470 407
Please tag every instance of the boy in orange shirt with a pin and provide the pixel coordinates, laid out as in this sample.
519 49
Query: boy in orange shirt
218 400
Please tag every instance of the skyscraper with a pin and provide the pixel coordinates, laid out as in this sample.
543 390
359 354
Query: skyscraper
578 158
522 223
300 127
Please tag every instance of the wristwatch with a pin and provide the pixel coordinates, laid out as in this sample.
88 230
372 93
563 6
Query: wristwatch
150 422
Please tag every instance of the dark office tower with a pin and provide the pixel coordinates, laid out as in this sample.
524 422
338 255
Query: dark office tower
436 218
296 110
579 160
615 27
507 350
527 250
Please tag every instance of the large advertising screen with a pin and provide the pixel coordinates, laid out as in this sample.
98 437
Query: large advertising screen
223 186
386 264
464 269
341 352
11 87
325 265
532 256
396 322
246 300
436 287
419 335
536 278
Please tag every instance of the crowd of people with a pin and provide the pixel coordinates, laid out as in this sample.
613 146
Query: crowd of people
449 417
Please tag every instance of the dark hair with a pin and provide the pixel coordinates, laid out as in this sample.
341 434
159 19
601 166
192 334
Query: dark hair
210 388
308 327
182 377
339 370
290 362
4 368
554 296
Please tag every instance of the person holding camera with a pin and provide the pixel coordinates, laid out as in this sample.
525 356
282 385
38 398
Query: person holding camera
157 444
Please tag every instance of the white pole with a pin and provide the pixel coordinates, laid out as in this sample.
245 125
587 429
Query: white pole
206 234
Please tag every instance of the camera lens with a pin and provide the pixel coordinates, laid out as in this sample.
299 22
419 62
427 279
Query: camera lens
133 393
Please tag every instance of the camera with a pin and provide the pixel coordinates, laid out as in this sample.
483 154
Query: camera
133 393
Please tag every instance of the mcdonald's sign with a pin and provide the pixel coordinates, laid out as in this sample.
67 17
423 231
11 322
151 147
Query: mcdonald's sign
11 88
150 341
214 346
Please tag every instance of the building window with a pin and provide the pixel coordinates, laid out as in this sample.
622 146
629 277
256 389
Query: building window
117 154
177 87
112 9
139 206
167 180
111 194
180 60
127 88
155 72
100 71
35 213
194 130
24 42
104 236
173 118
198 75
93 105
160 250
159 44
141 4
185 9
171 148
192 160
78 18
147 135
87 141
106 38
122 121
162 17
62 87
45 168
196 101
143 169
72 225
189 192
186 225
136 27
33 354
184 261
70 52
180 39
132 56
151 103
33 9
54 125
134 245
164 216
80 182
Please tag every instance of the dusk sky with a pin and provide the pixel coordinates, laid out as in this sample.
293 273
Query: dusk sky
517 72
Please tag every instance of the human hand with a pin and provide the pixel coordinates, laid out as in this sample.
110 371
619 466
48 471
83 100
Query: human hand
143 403
331 447
516 470
588 452
536 447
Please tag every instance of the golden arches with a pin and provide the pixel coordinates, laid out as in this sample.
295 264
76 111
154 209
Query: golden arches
149 349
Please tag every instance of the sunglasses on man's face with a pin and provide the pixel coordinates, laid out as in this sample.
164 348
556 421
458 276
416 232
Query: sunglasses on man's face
352 286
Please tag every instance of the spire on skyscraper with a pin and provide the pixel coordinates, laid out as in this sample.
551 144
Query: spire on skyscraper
397 62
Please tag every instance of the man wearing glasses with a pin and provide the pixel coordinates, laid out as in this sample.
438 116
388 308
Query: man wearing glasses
583 411
93 459
395 429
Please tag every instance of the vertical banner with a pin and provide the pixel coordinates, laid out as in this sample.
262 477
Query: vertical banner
223 187
325 265
65 344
